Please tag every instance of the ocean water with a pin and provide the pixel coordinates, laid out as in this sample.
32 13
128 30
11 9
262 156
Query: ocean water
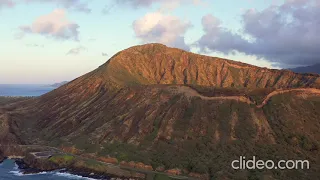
24 89
9 171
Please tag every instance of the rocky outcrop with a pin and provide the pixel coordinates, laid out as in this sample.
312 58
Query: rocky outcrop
2 157
130 164
137 165
33 164
174 171
107 172
108 160
140 165
11 151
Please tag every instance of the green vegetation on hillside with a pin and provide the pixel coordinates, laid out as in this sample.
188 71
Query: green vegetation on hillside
63 159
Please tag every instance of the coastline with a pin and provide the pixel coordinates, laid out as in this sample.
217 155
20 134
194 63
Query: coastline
2 157
25 169
37 159
2 160
31 159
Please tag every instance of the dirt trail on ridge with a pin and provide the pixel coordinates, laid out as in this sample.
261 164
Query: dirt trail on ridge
189 92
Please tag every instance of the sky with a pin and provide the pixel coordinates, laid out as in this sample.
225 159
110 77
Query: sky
49 41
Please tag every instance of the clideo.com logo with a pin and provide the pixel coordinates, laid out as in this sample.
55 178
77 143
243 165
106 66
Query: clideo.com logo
243 163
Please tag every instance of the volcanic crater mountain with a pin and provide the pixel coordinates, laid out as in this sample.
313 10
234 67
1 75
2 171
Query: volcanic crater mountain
169 108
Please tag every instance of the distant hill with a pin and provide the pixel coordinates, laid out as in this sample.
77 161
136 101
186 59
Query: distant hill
59 84
308 69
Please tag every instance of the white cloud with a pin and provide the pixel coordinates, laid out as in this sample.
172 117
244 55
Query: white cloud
161 28
77 50
165 5
77 5
54 25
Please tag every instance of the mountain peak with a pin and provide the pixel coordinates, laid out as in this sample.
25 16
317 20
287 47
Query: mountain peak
152 45
158 64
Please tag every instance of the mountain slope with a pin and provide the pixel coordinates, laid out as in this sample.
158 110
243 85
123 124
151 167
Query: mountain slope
167 107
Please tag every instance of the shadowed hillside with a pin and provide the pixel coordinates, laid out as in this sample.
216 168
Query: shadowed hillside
169 108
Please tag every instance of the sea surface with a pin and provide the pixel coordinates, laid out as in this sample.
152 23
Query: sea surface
9 171
24 89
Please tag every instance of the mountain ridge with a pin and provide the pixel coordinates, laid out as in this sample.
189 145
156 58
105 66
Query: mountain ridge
158 64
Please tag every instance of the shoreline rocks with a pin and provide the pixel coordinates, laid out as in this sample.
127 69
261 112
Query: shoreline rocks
2 158
37 160
34 163
25 168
